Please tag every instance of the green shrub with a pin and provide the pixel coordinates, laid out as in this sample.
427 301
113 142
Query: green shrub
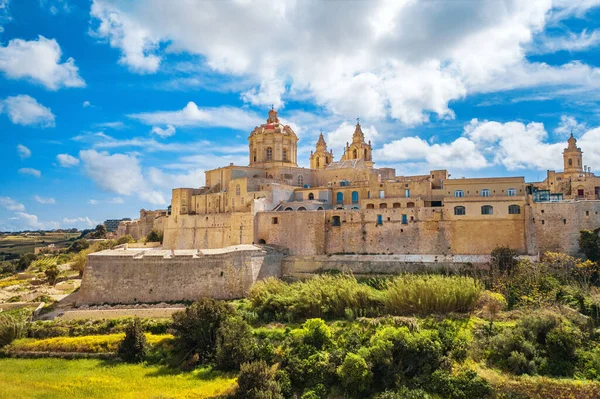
589 243
411 294
11 328
126 239
133 348
154 236
464 385
257 381
79 245
195 328
235 344
74 328
52 274
354 374
404 393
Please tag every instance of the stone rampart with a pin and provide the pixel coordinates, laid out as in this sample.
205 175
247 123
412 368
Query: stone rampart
126 276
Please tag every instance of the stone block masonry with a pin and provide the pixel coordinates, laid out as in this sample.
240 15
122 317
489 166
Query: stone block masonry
127 276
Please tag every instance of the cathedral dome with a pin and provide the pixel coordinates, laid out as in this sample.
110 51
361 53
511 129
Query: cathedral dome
273 144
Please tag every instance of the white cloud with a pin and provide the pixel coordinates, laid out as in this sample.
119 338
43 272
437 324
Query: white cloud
30 171
45 201
86 104
39 61
337 138
11 204
191 115
569 42
116 200
93 202
31 221
112 125
460 154
168 132
86 221
25 110
194 178
67 161
23 151
406 60
568 125
120 174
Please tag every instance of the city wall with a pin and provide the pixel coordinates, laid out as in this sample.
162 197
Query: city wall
126 276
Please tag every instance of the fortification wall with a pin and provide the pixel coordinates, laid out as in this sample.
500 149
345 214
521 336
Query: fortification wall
134 276
388 231
557 224
217 230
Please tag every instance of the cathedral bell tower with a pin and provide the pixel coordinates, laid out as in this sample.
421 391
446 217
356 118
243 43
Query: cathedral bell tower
358 149
573 157
321 158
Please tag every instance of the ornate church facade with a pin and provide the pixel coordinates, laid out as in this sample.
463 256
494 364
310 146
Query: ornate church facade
350 207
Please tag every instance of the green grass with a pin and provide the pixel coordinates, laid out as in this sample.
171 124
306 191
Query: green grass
73 379
84 344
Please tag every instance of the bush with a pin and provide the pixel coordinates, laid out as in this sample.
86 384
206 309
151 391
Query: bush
257 381
79 245
11 328
503 261
25 260
464 385
154 236
52 274
126 239
354 374
589 243
235 344
76 328
196 327
404 393
133 348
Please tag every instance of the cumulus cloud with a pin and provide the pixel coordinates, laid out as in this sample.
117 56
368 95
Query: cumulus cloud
31 221
569 42
191 115
406 60
167 132
23 151
44 200
11 205
568 125
30 171
86 221
39 61
194 178
67 161
25 110
120 174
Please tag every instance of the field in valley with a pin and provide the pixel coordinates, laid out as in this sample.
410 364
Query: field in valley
13 246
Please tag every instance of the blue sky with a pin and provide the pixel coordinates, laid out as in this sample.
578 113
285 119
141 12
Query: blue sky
106 105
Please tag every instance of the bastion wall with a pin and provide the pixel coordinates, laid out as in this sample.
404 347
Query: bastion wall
126 276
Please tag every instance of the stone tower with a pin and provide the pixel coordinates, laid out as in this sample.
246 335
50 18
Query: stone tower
273 144
572 157
321 158
358 149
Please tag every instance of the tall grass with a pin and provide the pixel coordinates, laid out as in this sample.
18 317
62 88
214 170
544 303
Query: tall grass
84 344
412 294
338 296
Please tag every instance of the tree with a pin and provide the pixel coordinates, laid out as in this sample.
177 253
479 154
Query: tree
235 344
504 259
589 243
52 274
196 327
79 245
25 260
126 239
99 232
257 381
154 236
78 261
133 348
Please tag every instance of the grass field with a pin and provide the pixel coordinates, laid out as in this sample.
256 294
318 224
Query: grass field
85 378
13 246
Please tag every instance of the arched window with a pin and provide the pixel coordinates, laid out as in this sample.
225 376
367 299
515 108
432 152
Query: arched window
237 189
570 162
262 241
366 155
355 197
254 155
459 210
269 153
300 180
396 205
336 221
410 204
487 210
383 205
485 192
311 196
302 208
370 206
514 210
289 209
355 154
339 197
317 162
368 194
284 154
320 208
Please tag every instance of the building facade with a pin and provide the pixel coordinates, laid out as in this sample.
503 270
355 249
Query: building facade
351 207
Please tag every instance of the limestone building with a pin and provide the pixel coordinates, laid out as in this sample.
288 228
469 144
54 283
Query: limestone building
350 207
